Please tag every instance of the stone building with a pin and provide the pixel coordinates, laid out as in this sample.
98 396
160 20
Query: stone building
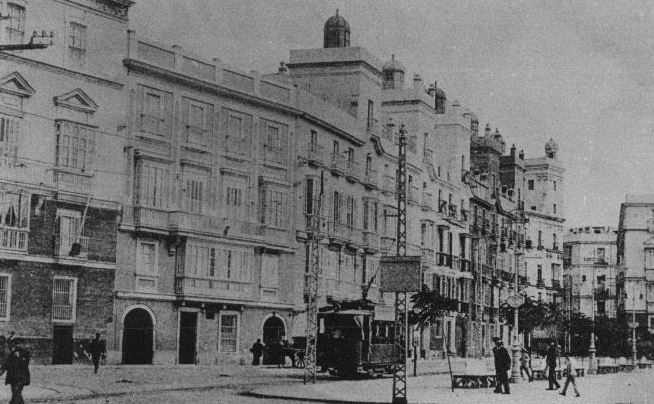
635 253
545 211
590 271
61 131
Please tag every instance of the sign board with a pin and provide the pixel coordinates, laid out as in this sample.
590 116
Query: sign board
384 313
400 274
515 301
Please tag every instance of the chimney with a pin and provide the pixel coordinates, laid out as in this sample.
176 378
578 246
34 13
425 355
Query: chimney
431 90
522 155
417 80
282 68
487 130
513 150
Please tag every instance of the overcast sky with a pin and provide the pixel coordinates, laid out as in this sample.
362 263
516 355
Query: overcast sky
581 72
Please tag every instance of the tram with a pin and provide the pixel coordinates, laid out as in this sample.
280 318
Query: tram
355 341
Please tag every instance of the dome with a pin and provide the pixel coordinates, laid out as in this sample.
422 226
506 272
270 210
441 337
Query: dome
393 65
337 22
336 32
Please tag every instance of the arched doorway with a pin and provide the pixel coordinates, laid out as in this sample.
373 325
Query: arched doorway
137 337
274 332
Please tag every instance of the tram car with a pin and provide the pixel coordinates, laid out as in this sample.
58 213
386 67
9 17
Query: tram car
352 342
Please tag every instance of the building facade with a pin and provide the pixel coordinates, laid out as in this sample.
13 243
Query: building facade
590 271
60 132
635 253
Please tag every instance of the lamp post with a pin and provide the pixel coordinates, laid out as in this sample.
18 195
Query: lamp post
515 302
592 366
633 325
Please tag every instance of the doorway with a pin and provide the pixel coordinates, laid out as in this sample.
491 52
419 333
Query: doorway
273 332
62 336
188 322
137 338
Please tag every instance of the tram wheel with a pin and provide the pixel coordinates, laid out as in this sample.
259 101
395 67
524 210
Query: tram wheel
299 361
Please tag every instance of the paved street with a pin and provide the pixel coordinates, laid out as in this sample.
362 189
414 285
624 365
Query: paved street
244 384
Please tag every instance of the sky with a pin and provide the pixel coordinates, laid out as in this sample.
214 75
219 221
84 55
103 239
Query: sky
580 72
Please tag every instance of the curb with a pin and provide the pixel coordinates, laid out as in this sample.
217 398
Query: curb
306 400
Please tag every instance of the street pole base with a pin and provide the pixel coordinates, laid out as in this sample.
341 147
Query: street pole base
516 379
399 400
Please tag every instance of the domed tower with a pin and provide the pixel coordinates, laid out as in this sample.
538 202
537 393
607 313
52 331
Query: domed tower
551 149
336 32
393 72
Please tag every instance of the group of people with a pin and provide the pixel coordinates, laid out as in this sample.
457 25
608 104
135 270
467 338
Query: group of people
276 350
503 366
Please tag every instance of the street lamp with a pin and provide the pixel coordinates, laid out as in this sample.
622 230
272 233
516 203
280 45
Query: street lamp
515 301
592 366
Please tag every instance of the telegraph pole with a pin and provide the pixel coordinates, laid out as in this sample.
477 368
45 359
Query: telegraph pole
401 317
313 280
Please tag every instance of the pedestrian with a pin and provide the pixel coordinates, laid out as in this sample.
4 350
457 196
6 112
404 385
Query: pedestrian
525 365
96 349
257 351
550 360
570 378
502 366
17 367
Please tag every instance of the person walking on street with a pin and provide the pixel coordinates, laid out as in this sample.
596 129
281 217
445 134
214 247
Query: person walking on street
525 365
550 360
257 351
18 374
96 349
502 366
570 378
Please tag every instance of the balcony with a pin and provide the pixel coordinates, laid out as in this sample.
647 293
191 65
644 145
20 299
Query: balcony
452 212
523 280
371 241
595 261
387 244
341 233
540 283
194 222
316 155
238 146
64 245
413 195
442 206
556 284
337 164
213 288
353 171
370 179
507 276
464 215
427 201
72 182
443 259
14 239
455 262
150 217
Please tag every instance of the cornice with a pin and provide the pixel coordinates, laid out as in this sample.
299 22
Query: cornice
372 69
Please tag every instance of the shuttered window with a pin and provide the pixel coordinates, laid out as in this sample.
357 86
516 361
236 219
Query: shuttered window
228 333
5 296
63 299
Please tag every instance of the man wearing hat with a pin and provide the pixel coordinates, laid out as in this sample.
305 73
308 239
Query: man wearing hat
17 367
502 366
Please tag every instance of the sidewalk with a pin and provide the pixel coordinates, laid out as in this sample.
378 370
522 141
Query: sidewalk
615 388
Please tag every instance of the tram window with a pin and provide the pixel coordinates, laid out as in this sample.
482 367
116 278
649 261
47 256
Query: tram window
321 326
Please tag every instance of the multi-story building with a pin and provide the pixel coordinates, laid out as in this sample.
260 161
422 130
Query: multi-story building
497 229
544 209
209 197
61 128
635 250
590 271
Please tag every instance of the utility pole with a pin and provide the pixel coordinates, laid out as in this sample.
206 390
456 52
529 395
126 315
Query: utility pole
592 366
633 326
313 284
401 317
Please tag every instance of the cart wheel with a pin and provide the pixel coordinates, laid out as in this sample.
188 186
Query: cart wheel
299 360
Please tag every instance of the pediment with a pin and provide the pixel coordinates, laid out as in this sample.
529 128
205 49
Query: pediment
15 84
76 99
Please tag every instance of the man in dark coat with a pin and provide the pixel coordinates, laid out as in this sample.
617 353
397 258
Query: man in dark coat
18 374
550 360
502 366
257 351
96 349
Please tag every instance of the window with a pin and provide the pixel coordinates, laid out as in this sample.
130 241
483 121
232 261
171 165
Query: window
540 273
198 122
146 258
14 210
366 212
583 278
238 132
269 271
274 207
371 112
63 299
228 333
76 44
601 308
9 127
155 111
275 144
69 222
530 185
601 254
554 185
351 208
5 296
15 23
75 145
649 258
200 261
234 199
152 185
338 198
554 208
195 191
374 216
